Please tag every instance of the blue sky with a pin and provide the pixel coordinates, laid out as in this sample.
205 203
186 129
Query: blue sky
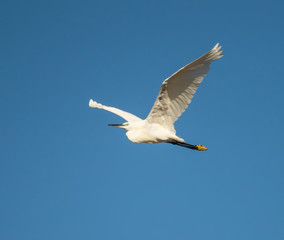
64 174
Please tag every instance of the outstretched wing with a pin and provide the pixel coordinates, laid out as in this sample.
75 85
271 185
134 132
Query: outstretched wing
177 91
127 116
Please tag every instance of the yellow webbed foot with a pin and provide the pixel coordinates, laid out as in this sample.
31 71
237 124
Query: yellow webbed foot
201 148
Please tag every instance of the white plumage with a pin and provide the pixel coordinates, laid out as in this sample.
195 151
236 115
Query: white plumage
174 97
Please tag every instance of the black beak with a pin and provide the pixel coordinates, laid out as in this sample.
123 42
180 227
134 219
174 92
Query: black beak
115 125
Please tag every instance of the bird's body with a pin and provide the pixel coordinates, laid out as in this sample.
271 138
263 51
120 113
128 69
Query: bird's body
144 132
175 95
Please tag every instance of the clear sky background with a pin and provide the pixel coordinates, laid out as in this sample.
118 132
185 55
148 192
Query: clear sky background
64 174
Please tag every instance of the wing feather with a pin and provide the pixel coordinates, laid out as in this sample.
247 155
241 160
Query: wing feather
126 115
178 90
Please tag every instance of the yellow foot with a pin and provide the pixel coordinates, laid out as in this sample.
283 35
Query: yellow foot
201 148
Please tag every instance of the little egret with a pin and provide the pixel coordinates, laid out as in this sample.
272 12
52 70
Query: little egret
175 95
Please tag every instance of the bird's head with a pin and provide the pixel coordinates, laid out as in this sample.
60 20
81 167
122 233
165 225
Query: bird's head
123 125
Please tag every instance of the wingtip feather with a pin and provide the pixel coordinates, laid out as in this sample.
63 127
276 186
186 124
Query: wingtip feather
215 53
216 46
94 104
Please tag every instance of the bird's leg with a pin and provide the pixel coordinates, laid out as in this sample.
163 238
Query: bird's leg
187 145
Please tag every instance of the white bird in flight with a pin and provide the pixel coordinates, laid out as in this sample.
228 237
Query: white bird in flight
174 97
